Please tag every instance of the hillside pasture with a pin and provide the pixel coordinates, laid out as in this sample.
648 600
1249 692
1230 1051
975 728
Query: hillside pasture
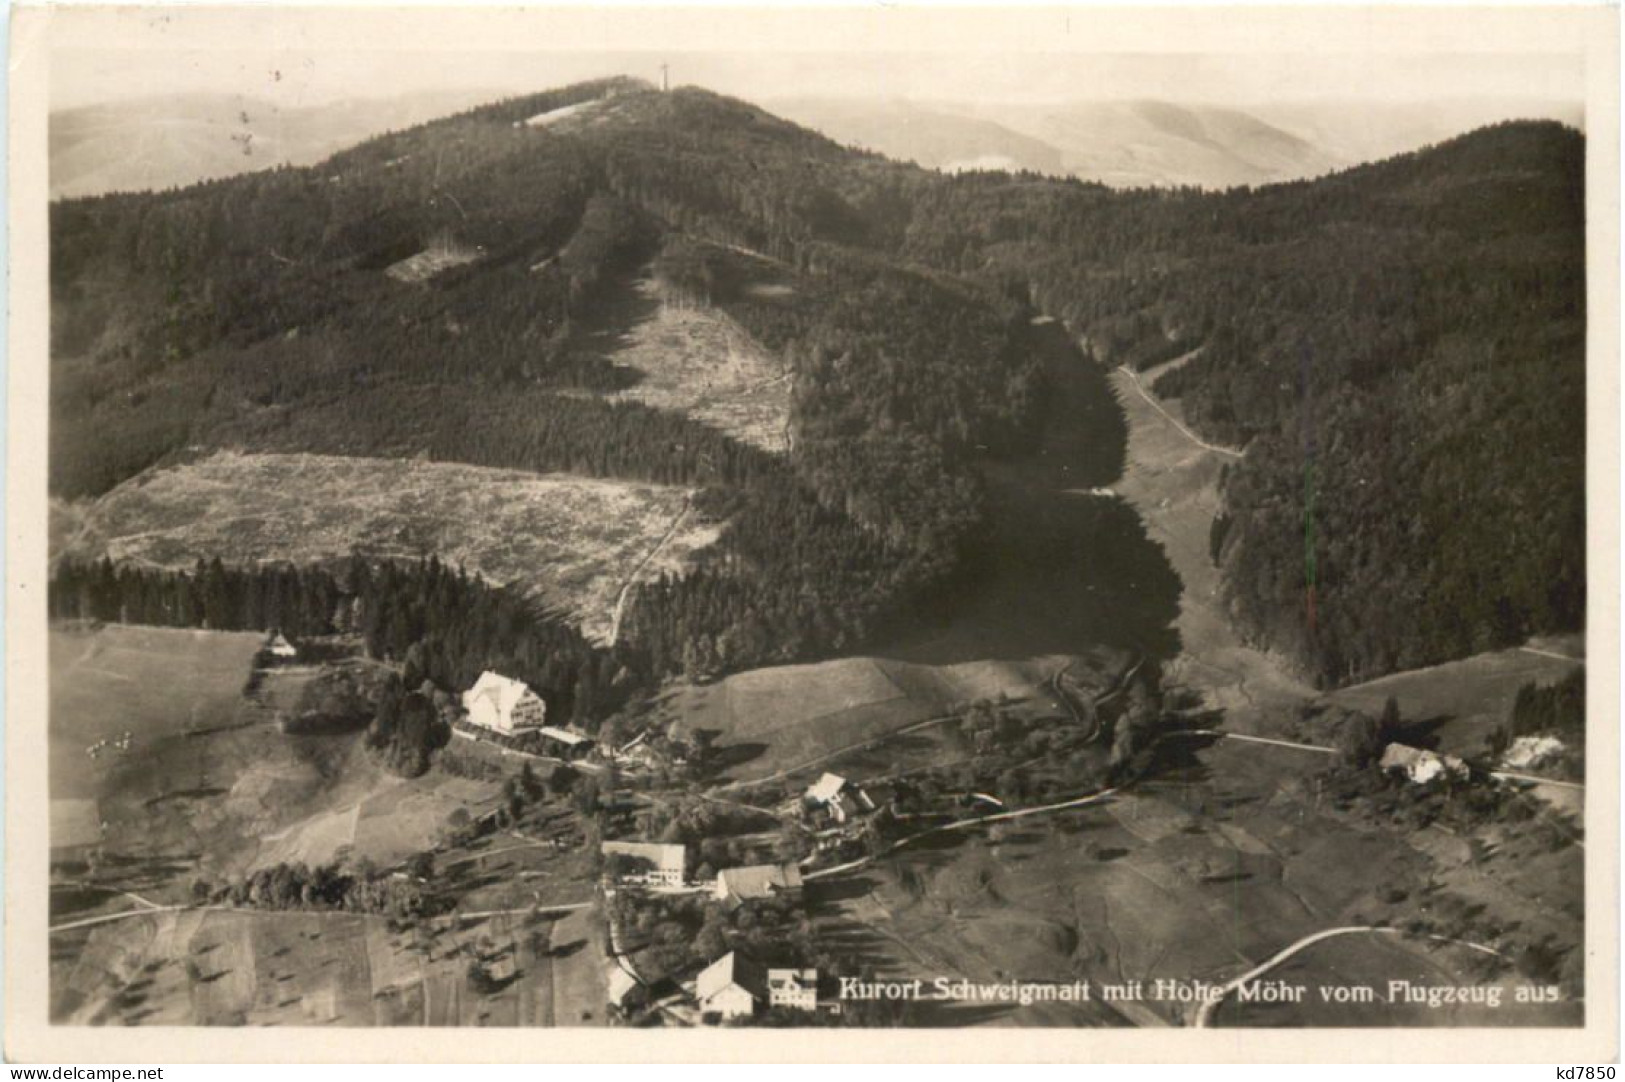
774 719
153 682
1198 874
1457 705
391 819
570 541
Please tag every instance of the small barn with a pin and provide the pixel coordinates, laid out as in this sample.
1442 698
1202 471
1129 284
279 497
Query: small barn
280 648
564 743
1422 766
650 863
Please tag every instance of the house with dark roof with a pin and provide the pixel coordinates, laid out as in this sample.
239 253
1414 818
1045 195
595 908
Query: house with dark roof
735 886
649 863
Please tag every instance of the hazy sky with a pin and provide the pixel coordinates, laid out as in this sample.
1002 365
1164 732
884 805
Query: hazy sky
307 57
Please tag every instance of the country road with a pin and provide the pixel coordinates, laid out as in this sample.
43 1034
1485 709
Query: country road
1171 419
153 910
632 578
959 824
1204 1015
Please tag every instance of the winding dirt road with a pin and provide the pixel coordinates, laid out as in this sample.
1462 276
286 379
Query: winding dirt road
1204 1015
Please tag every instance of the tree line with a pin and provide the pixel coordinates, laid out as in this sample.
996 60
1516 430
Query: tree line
440 624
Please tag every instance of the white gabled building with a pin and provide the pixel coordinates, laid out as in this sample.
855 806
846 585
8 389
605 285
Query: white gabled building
503 705
793 988
838 798
730 987
1422 766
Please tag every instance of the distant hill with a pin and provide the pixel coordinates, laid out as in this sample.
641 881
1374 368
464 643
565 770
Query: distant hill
151 144
931 137
1363 131
1131 144
1121 144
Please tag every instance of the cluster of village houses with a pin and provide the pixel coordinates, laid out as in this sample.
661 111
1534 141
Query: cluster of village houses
736 986
733 986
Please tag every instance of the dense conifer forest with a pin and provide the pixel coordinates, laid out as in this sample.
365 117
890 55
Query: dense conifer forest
1398 349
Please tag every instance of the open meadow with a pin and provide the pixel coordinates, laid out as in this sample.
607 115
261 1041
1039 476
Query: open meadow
1456 706
571 541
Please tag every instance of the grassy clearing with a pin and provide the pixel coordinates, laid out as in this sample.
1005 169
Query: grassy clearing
1458 704
572 541
1173 484
179 805
699 362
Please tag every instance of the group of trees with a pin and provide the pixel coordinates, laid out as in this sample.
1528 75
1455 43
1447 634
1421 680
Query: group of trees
325 886
902 380
406 730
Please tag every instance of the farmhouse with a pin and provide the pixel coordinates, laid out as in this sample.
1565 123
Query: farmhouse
650 863
1422 766
1528 752
279 647
502 705
838 798
793 988
736 886
730 987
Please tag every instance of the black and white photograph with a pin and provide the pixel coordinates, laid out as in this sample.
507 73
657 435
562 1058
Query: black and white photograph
917 521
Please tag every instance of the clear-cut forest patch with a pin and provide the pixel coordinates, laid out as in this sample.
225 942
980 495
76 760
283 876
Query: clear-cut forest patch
570 541
695 360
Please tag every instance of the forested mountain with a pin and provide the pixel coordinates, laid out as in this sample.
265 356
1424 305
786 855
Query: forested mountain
1377 339
1401 349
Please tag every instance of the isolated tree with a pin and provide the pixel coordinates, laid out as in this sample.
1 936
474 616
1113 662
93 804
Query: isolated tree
1389 723
1360 741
